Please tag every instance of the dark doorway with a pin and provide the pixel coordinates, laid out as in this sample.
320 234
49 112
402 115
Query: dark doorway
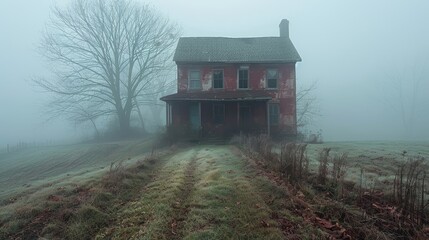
245 115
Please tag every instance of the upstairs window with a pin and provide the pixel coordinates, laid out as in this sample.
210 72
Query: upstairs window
272 78
274 112
243 77
217 78
194 79
218 113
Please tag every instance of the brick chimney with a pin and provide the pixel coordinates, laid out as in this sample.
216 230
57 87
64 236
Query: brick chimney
284 28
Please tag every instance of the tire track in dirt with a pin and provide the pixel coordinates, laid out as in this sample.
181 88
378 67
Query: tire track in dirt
181 206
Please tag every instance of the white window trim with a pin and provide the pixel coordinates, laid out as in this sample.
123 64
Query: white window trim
189 79
223 78
277 82
248 77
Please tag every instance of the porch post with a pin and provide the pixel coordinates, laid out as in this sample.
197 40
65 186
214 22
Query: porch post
238 115
167 115
200 127
268 119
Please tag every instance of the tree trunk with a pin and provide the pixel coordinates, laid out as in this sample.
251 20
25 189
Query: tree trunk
140 116
124 123
95 128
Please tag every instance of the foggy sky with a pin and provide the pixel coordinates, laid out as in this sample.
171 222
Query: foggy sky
357 51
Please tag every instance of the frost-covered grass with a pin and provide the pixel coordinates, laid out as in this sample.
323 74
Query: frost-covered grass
378 160
148 217
78 210
226 203
40 169
206 192
196 192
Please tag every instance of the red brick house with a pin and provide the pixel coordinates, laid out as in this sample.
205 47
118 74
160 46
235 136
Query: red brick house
230 85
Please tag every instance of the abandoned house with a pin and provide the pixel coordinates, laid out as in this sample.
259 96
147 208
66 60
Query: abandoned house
227 86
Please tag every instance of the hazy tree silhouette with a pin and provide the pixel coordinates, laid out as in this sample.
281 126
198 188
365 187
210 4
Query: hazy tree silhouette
106 56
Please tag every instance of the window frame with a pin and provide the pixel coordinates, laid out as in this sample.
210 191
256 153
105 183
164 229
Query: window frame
270 112
223 79
222 119
191 80
268 79
248 77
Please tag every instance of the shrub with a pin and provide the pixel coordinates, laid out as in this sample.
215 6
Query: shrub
293 161
114 177
409 188
339 170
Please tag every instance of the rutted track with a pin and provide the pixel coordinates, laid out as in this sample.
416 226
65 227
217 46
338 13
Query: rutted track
205 192
181 206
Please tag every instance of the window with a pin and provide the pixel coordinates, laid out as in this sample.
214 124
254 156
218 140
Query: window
194 79
217 78
274 113
272 78
243 77
218 113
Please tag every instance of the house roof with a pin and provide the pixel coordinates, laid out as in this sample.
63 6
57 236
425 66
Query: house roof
239 95
236 50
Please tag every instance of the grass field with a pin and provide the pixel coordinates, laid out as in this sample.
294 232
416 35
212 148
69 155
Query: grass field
30 169
188 192
378 160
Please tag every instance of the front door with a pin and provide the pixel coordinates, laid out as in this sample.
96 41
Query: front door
195 116
245 115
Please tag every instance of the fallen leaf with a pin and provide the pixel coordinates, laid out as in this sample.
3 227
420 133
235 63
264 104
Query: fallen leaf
265 224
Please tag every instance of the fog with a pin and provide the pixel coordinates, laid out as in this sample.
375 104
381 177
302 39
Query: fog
370 60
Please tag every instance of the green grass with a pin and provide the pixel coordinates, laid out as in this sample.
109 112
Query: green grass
205 192
197 192
148 217
79 210
226 204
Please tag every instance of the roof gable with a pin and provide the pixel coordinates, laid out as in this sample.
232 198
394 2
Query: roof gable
236 50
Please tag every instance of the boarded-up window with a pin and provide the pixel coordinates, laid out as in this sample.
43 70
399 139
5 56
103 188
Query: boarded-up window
272 78
274 112
194 79
243 78
218 113
217 78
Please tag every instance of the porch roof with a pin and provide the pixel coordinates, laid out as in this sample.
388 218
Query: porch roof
239 95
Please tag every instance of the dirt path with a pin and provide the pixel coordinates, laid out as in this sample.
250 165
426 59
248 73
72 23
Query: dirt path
206 192
181 206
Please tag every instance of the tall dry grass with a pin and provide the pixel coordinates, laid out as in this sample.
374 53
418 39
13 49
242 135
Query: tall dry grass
409 189
294 162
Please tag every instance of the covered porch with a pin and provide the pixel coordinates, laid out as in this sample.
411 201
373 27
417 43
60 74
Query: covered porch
218 115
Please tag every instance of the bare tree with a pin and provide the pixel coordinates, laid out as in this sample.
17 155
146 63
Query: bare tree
307 106
107 54
164 84
403 92
75 112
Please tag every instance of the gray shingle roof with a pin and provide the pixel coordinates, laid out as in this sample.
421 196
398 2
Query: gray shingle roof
221 49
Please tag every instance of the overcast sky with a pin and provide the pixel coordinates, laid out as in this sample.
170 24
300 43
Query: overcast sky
359 52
